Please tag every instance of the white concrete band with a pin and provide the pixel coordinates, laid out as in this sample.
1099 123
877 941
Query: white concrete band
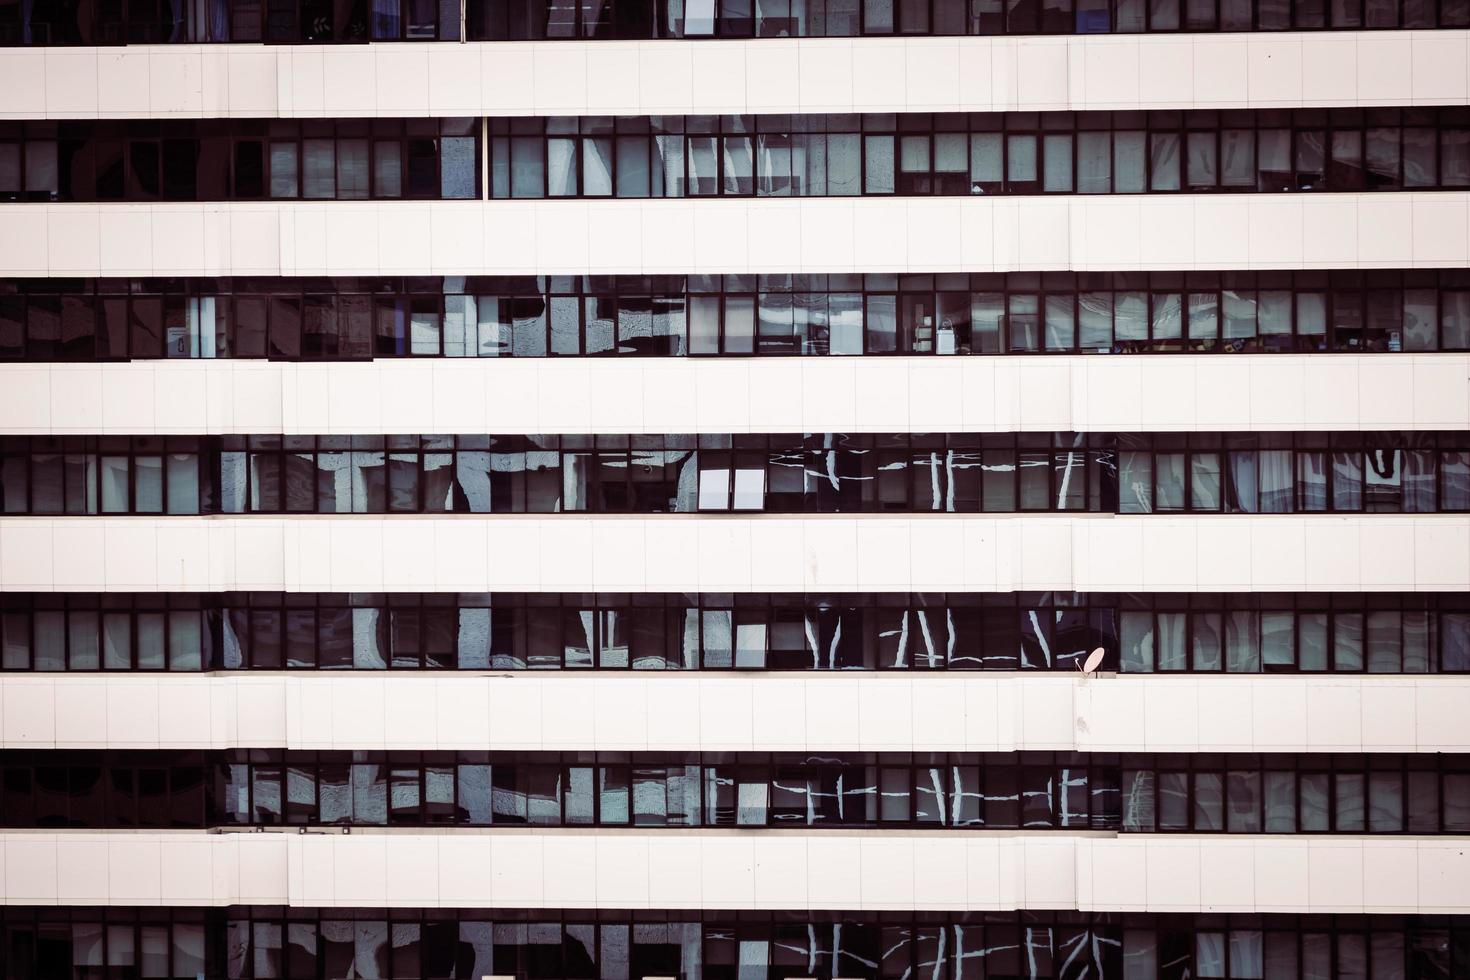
1061 393
1111 232
949 871
699 711
712 553
770 75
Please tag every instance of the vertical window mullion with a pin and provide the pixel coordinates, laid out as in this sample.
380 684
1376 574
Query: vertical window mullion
717 138
719 307
1148 140
1439 478
1153 467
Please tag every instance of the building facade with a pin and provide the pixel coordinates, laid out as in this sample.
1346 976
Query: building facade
628 490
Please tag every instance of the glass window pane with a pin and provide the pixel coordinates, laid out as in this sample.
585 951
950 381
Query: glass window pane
1057 151
1163 161
1136 639
1169 482
1385 802
986 163
878 165
1169 641
387 169
1384 638
318 168
1279 802
1209 954
1278 639
352 169
1347 641
1206 639
1203 169
1242 648
1244 802
1314 797
1351 805
597 166
1021 163
458 173
1204 488
1457 803
1167 322
1094 163
1281 954
185 640
1129 162
527 167
1140 954
1135 482
1138 791
561 167
83 640
1173 800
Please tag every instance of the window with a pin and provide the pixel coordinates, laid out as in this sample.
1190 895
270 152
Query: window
139 160
1038 790
296 21
810 315
821 473
930 155
245 942
1139 633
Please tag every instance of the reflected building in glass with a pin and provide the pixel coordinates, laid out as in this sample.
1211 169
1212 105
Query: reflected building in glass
735 490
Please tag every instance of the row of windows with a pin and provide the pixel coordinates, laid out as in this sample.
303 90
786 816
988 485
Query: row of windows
738 315
1134 793
1030 791
271 943
49 22
952 154
240 159
536 19
955 154
1132 473
1381 633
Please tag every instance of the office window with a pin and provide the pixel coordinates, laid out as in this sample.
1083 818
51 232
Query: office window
786 315
304 21
1405 634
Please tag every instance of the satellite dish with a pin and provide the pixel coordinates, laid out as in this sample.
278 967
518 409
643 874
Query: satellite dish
1094 661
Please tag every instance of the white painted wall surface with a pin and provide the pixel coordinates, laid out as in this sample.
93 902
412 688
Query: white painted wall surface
733 870
695 711
947 74
711 553
1117 232
1062 393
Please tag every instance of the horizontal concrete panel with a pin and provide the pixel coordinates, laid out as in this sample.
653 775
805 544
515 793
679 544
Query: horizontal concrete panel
1070 393
947 74
747 712
711 553
731 870
1117 232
